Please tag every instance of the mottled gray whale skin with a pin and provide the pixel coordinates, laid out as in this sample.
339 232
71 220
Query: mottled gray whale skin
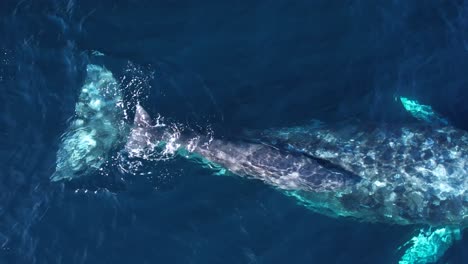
411 174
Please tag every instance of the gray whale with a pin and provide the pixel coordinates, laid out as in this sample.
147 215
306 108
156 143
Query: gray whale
412 174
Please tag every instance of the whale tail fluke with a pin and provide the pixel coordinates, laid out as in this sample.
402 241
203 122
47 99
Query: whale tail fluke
94 129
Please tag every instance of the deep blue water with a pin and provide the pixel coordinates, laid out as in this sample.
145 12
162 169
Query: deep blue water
230 66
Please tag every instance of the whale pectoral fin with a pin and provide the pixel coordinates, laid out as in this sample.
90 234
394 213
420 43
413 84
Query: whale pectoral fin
422 112
429 245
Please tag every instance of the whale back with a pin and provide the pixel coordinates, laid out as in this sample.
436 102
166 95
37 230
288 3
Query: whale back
282 169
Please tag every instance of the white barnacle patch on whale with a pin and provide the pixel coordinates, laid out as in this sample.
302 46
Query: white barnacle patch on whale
94 129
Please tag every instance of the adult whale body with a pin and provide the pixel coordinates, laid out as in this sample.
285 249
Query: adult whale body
403 175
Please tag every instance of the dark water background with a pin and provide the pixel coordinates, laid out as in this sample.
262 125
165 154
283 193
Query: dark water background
251 64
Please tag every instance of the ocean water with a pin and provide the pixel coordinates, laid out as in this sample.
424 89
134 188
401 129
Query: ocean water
226 68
